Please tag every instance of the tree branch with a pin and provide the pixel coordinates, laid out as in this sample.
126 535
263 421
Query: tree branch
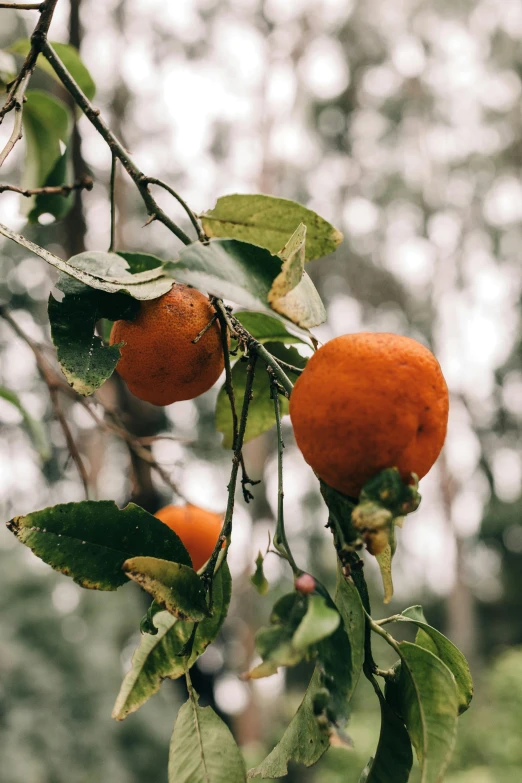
16 95
142 182
85 183
23 6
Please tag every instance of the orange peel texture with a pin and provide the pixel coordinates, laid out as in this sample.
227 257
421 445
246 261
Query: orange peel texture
366 402
159 362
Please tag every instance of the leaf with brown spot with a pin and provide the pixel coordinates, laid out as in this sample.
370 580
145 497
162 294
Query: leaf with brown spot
175 586
91 540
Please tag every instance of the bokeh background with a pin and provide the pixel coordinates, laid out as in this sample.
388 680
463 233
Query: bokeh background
401 124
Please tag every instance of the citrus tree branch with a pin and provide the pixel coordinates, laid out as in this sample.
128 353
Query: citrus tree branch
23 6
226 529
85 183
53 383
193 219
280 539
16 95
56 384
117 149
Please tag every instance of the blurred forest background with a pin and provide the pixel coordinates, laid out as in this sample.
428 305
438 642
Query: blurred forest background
401 124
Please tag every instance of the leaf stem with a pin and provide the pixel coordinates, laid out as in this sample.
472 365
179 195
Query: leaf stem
280 540
381 632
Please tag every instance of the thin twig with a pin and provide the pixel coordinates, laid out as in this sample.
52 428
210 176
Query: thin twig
50 378
85 183
23 6
16 133
205 329
290 367
116 147
113 203
54 383
37 39
193 219
226 529
280 540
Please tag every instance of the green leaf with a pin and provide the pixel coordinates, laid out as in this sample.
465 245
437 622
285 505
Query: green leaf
160 656
428 702
56 204
337 671
304 740
90 541
319 622
71 59
261 415
103 271
268 221
293 294
46 123
202 749
175 586
140 262
229 269
434 641
259 579
34 428
85 360
265 328
393 758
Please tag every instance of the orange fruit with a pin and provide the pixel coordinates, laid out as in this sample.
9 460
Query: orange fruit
198 529
366 402
159 362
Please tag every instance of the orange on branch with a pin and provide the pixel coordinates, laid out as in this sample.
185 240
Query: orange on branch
159 361
198 530
366 402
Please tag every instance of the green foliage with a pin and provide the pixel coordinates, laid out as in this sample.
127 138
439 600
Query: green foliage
393 758
103 271
175 586
258 578
161 656
426 696
91 540
434 641
293 294
325 706
203 749
85 360
261 416
46 122
35 428
268 221
70 58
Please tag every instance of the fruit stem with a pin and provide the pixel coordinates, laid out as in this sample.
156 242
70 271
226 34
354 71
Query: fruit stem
280 539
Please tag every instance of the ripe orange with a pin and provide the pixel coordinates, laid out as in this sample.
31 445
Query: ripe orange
197 528
159 362
366 402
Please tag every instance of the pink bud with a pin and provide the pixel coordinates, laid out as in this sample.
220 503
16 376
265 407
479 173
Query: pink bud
305 584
